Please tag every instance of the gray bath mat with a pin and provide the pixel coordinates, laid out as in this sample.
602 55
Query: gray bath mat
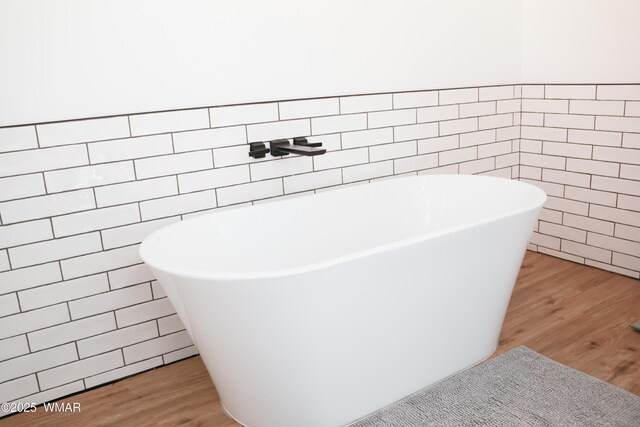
518 388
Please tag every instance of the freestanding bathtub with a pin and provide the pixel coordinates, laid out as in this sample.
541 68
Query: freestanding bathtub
318 310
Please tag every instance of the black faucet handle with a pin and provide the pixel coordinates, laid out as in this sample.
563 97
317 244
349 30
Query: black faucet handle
301 140
257 150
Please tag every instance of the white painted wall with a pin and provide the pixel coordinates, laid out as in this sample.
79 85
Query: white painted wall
581 41
68 59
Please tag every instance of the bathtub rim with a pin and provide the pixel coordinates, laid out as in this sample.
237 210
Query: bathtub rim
539 198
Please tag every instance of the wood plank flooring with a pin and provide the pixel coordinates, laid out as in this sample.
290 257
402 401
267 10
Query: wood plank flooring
573 314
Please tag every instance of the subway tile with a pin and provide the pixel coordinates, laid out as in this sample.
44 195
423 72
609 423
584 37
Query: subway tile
63 291
631 140
45 206
566 150
572 121
282 167
32 320
71 331
632 109
493 93
110 301
38 361
417 131
79 369
243 114
415 99
175 205
457 96
624 232
614 244
30 161
589 224
625 92
616 215
143 312
73 132
435 114
173 164
449 169
88 176
626 261
157 346
392 151
136 191
510 160
547 134
99 262
365 103
509 106
533 91
562 255
530 172
116 339
450 127
458 156
477 109
183 353
442 143
18 187
13 347
570 92
629 202
330 142
600 108
170 121
134 233
364 138
209 138
415 163
566 205
248 192
4 261
590 196
496 121
236 155
477 138
25 278
612 139
341 158
310 181
630 172
9 304
53 250
122 372
368 171
612 268
132 275
170 324
214 178
96 219
16 388
511 132
544 240
586 251
532 119
392 118
129 148
281 129
545 106
54 393
25 232
551 216
563 232
615 154
18 138
477 166
495 149
309 108
593 167
618 124
554 190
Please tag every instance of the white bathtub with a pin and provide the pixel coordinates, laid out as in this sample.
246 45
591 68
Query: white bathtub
318 310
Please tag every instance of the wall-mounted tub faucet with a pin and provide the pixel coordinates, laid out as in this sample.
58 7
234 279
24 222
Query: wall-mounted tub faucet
282 147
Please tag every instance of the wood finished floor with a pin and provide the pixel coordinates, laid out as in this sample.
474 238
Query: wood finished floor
574 314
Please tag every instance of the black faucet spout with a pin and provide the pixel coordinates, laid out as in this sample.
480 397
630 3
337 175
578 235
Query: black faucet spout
282 147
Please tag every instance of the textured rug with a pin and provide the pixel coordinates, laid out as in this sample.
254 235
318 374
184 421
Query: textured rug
518 388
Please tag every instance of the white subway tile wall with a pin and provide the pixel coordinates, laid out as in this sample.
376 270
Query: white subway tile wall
78 307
